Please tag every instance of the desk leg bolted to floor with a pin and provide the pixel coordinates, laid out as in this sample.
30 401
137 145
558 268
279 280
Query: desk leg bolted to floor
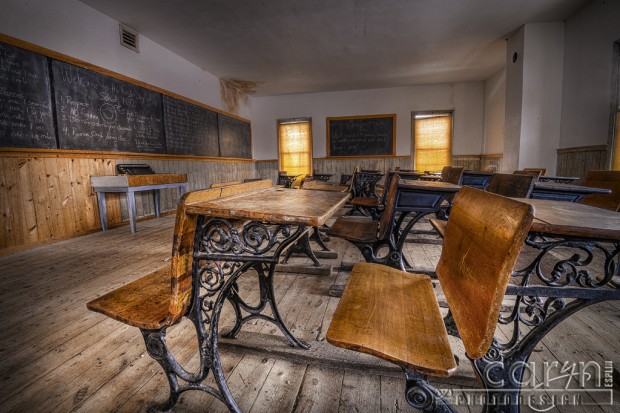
222 253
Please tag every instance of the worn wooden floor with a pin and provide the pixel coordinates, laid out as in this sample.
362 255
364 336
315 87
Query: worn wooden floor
56 356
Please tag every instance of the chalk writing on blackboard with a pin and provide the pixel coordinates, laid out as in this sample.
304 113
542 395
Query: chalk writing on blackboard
25 100
98 112
361 135
190 129
235 137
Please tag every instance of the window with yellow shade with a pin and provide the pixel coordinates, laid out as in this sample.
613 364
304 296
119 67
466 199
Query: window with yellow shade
432 137
295 146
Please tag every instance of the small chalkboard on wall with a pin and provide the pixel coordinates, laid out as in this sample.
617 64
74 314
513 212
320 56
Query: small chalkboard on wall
357 136
25 100
98 112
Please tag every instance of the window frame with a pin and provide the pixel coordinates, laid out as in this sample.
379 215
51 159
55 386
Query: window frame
280 122
430 113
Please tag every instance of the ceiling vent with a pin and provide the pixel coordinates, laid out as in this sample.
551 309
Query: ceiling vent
129 37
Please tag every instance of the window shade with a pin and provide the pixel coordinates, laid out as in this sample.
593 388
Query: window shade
295 147
433 142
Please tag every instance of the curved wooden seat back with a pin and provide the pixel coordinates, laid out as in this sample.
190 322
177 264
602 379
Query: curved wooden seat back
511 185
387 219
454 175
483 238
533 172
603 179
541 170
445 172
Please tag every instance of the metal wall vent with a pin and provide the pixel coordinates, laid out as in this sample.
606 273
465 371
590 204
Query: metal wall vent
129 37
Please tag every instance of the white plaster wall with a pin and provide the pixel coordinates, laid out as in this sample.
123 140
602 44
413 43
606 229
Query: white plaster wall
586 102
494 113
514 98
466 99
79 31
542 95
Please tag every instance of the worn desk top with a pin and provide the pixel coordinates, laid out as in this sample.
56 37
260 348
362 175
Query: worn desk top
551 178
578 189
429 186
136 180
574 219
276 205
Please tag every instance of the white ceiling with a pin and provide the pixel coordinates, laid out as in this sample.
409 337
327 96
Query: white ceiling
294 46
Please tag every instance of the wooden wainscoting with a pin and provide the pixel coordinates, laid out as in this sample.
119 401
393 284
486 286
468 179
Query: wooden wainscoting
45 195
577 161
484 162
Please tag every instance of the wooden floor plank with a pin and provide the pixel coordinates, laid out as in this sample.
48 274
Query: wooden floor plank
360 391
320 390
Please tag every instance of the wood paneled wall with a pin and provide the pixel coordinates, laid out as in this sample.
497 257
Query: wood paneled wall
577 161
46 195
491 162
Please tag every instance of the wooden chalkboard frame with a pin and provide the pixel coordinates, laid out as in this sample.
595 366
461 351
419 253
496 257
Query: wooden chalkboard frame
390 139
106 72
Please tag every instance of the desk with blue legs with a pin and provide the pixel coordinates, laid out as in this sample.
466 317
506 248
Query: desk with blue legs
129 185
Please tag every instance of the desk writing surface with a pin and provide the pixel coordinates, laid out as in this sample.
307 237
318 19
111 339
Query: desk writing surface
130 181
578 189
429 186
574 219
275 205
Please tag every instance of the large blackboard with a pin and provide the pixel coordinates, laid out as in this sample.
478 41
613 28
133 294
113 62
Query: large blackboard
25 100
235 137
48 103
98 112
361 135
190 129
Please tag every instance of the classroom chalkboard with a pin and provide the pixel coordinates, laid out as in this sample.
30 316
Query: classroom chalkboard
25 100
98 112
49 103
190 129
361 135
235 137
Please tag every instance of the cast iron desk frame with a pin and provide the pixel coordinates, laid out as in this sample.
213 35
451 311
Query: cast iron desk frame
550 289
287 179
417 198
322 177
544 297
130 192
223 251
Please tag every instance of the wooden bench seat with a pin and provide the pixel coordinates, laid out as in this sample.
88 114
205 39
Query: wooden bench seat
355 229
159 299
143 303
376 309
369 235
394 315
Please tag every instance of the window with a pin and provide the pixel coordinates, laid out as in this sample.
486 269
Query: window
432 137
295 146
